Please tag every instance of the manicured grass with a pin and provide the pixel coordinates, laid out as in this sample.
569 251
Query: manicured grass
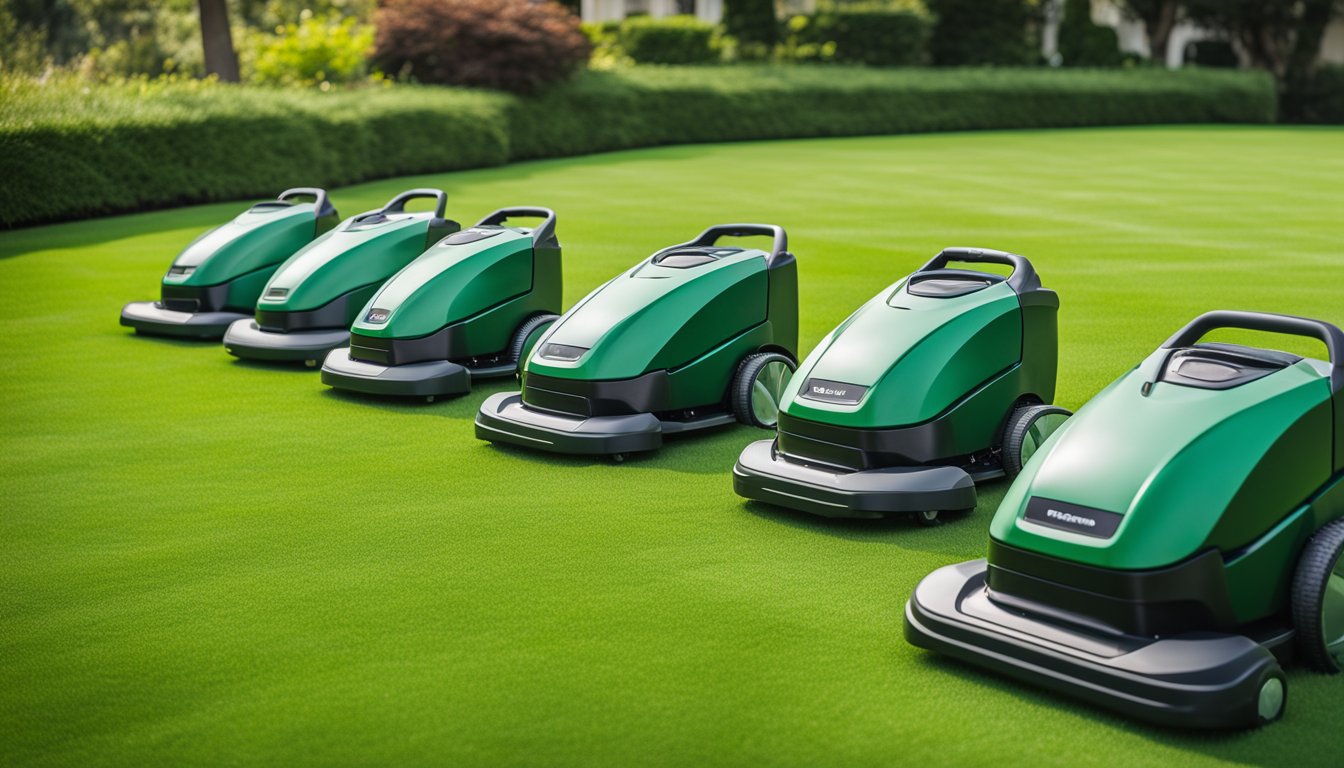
205 561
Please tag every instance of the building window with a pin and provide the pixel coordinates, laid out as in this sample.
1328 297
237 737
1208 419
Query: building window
686 7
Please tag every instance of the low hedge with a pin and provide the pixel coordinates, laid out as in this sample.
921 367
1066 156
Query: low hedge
898 38
68 151
673 40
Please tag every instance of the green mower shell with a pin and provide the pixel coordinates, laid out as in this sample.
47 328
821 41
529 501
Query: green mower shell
1171 545
307 306
218 278
468 308
655 351
905 406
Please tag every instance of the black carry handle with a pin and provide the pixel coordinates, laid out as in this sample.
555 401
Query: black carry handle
542 235
398 203
778 251
1291 325
1021 280
320 201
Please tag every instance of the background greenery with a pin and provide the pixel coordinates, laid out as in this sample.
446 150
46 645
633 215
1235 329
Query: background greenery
67 150
205 561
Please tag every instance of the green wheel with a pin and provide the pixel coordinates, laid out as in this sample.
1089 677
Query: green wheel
1028 427
1318 600
758 387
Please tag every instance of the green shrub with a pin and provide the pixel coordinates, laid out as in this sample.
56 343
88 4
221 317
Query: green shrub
1317 99
980 32
641 107
671 40
316 50
876 37
68 150
752 23
1083 43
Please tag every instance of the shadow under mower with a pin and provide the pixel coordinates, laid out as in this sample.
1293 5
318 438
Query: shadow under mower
939 382
695 336
1172 544
218 277
311 300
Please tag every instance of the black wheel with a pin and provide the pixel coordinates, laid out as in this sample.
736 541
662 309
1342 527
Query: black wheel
928 518
758 387
1318 600
526 337
1027 428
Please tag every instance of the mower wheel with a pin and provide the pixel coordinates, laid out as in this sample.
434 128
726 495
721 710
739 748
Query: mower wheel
526 337
758 387
1027 428
928 518
1318 600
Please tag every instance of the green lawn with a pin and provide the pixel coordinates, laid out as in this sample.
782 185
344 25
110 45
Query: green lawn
206 561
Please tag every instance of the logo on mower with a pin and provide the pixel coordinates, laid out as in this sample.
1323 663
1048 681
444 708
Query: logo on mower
1065 517
1073 517
833 391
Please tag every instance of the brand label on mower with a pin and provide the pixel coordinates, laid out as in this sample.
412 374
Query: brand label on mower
1072 517
833 391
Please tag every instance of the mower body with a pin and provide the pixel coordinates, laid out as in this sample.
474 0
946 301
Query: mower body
451 314
900 408
652 351
1144 558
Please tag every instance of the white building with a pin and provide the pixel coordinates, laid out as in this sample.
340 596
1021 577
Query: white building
1105 12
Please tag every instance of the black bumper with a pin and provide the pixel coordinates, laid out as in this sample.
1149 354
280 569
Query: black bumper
504 419
1194 680
246 340
761 475
427 379
151 318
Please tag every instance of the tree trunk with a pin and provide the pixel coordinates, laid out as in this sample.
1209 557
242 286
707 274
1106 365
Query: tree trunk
1316 15
1158 26
217 39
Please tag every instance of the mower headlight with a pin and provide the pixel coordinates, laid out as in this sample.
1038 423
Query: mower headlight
180 271
562 352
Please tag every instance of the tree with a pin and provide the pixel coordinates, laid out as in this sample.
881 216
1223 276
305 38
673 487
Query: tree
1159 18
751 21
980 32
1280 36
217 40
1084 44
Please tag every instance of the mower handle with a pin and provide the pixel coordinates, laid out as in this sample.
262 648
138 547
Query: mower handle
398 203
779 251
1022 279
1269 322
320 201
543 235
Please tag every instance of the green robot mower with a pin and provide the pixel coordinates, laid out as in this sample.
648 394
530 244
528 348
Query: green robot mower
309 303
218 278
1173 543
941 381
695 336
470 307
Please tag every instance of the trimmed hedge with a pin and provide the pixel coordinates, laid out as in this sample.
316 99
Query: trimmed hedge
673 40
68 151
897 38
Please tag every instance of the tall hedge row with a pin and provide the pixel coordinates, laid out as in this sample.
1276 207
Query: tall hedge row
68 153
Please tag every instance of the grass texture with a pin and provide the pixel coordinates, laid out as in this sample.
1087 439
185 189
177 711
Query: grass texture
204 561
